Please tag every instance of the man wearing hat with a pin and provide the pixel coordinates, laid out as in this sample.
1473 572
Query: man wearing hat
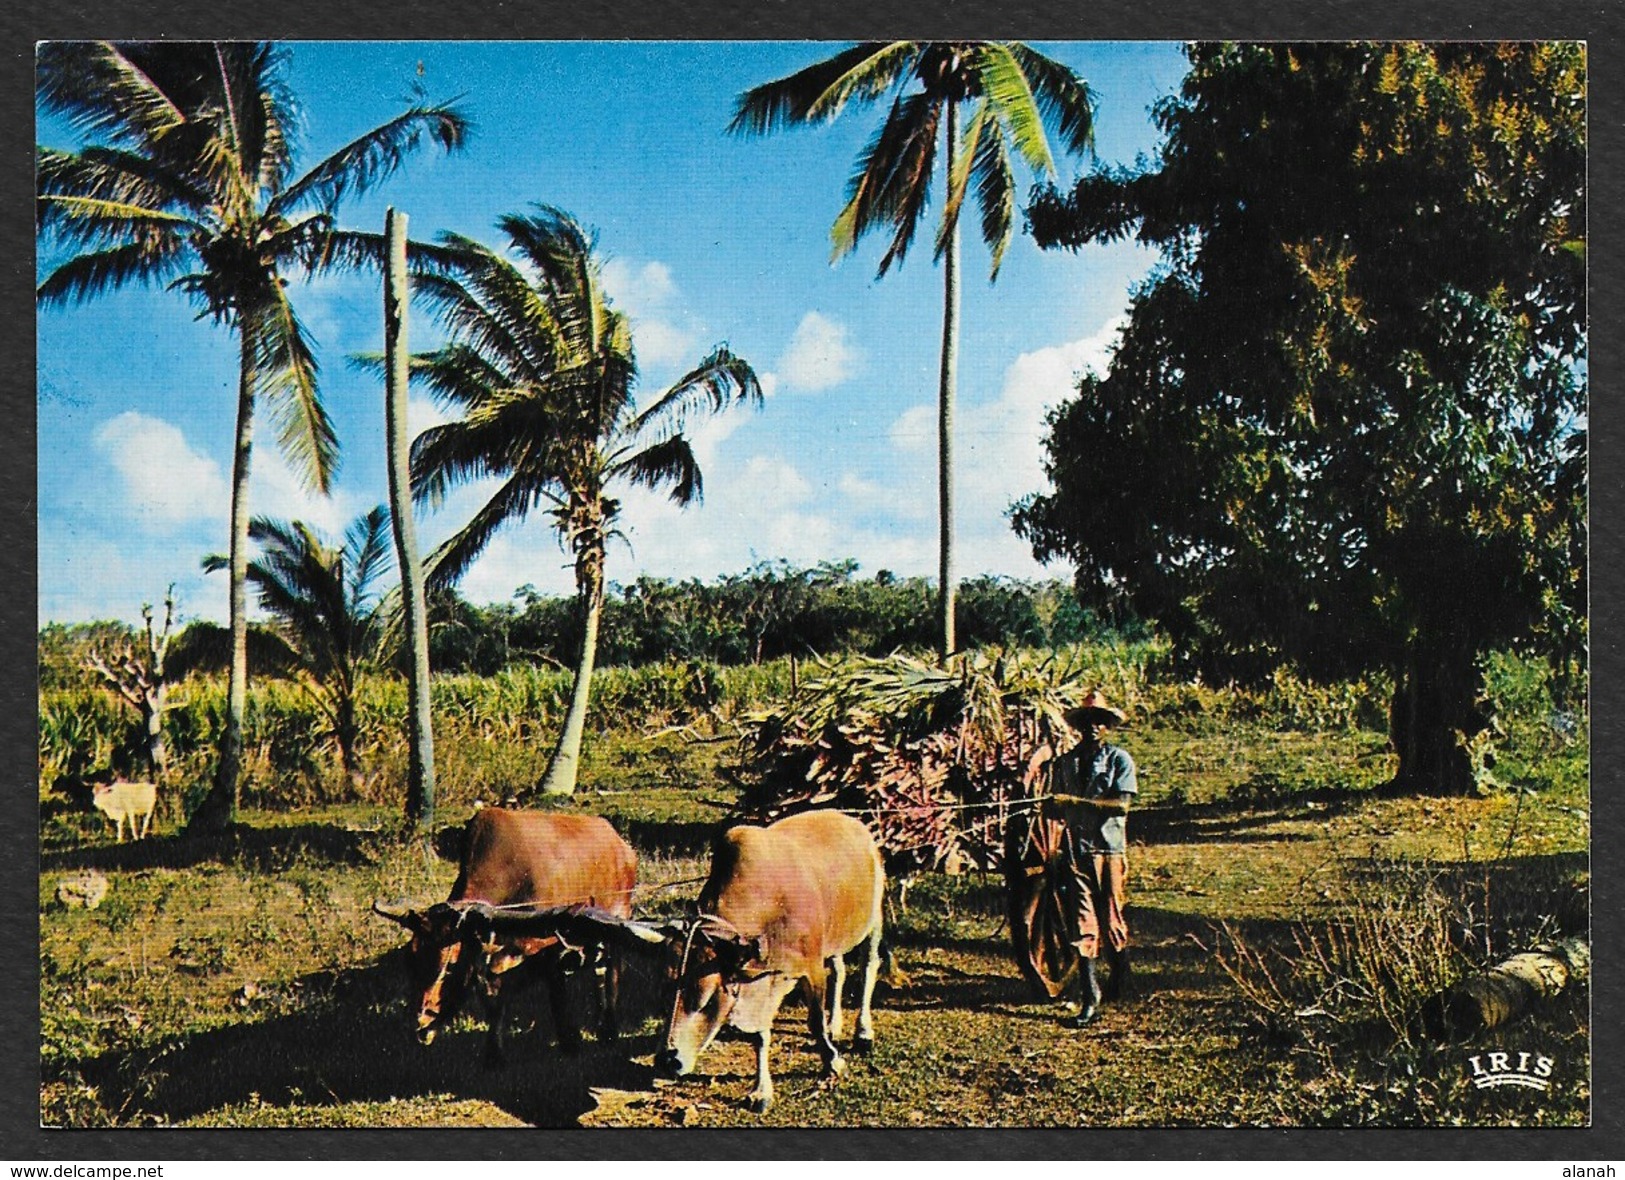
1094 782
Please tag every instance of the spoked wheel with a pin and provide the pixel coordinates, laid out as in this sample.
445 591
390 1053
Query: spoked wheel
1034 871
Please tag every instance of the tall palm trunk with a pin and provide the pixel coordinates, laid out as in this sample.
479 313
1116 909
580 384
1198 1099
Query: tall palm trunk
565 764
945 406
218 810
397 358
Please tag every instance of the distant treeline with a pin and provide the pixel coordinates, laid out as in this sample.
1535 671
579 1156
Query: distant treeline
768 612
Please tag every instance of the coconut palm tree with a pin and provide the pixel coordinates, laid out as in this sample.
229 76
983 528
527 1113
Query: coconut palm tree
189 180
1013 93
541 369
321 599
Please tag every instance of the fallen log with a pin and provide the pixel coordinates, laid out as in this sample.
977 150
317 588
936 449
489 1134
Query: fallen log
1505 991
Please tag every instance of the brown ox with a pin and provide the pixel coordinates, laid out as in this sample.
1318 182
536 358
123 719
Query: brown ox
535 858
782 905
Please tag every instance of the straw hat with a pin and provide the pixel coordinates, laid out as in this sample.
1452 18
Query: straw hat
1094 710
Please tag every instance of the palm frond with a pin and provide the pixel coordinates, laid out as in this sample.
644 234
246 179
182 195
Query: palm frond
1006 87
821 91
893 179
717 382
241 68
113 175
481 446
995 196
278 110
981 123
457 375
103 93
451 559
495 310
669 463
342 251
363 162
286 373
88 275
367 551
445 457
319 595
1064 99
290 577
95 221
561 251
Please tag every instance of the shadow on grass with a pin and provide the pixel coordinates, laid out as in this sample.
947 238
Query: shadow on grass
677 838
267 849
1229 820
350 1040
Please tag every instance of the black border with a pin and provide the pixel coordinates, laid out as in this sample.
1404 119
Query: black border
23 23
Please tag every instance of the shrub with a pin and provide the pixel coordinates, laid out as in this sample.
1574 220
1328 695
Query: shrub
1369 970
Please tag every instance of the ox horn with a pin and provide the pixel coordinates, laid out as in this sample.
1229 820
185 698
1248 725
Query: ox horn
396 913
644 932
721 931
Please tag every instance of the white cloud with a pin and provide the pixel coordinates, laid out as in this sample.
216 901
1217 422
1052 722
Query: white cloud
639 291
661 344
861 491
422 413
518 555
1000 453
769 383
998 456
865 496
83 578
755 507
915 430
773 482
647 294
166 483
819 355
275 491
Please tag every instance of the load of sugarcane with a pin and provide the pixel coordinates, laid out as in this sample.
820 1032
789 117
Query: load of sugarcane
936 759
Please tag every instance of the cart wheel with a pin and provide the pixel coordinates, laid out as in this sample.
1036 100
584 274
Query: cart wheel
1038 906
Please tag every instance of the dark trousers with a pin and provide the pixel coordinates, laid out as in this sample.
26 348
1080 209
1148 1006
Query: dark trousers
1095 901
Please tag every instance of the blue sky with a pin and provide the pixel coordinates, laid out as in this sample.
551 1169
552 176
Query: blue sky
709 238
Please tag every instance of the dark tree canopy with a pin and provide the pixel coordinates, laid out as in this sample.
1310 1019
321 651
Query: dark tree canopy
1345 423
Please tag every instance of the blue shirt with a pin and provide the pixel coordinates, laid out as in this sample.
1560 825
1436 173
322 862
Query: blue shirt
1110 773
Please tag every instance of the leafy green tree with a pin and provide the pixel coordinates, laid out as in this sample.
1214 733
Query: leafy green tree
189 180
541 369
1012 94
1345 424
322 600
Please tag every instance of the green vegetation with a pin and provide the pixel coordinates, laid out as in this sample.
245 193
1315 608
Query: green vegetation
194 168
1357 385
768 612
1354 391
241 981
322 599
1014 94
542 371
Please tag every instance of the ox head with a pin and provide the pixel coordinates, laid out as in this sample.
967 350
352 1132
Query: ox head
442 956
716 960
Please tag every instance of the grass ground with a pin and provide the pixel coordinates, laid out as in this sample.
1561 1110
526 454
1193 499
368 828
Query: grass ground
244 982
